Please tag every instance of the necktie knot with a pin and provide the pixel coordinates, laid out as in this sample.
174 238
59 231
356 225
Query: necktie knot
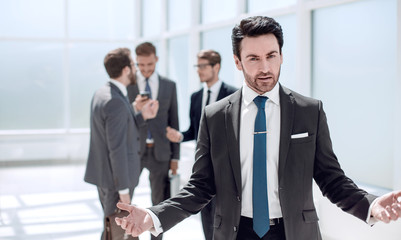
260 101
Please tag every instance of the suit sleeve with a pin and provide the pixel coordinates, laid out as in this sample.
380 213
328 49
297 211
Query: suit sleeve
116 127
337 187
199 190
173 122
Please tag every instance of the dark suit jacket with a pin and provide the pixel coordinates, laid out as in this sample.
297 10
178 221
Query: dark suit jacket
217 170
113 160
195 111
167 115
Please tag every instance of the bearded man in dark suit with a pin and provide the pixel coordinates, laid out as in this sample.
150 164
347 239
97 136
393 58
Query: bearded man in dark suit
258 152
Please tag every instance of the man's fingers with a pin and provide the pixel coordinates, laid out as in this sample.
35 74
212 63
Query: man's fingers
398 196
123 223
125 207
118 220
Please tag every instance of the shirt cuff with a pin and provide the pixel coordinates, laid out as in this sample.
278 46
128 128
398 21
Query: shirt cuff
157 226
370 219
124 191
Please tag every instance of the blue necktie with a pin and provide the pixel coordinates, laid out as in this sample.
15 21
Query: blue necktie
260 204
147 88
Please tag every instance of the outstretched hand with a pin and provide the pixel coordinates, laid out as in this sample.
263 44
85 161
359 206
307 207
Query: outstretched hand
137 222
173 135
387 207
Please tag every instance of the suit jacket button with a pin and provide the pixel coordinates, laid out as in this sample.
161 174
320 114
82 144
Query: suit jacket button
139 153
239 199
235 229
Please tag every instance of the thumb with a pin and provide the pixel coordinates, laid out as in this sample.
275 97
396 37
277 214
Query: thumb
125 207
397 195
118 221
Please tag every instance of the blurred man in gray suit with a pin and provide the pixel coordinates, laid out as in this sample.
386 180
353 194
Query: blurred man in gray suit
158 154
113 162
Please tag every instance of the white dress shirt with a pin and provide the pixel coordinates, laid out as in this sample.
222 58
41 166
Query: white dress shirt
248 116
154 88
153 83
214 92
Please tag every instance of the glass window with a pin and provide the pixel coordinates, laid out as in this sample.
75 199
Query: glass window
151 18
23 18
354 73
178 52
87 74
179 14
32 89
255 6
214 11
109 19
220 41
288 69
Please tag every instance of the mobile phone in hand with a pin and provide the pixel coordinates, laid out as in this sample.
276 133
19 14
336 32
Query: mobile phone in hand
145 94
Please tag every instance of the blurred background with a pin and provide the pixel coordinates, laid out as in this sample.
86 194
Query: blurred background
345 52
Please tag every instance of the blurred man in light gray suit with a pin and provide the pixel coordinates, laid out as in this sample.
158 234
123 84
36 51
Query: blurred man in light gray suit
158 154
113 162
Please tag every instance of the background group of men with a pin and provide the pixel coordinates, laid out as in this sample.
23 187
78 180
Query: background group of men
134 117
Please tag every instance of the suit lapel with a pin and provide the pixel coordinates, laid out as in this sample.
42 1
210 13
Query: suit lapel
126 98
287 119
232 125
198 103
222 92
161 86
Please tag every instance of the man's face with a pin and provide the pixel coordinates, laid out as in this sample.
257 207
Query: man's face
260 62
205 71
147 64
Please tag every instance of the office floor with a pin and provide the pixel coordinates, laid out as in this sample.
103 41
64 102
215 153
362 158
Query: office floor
52 202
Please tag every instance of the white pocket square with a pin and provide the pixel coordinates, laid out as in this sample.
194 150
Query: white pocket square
299 135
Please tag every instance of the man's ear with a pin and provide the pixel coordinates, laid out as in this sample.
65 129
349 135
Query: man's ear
217 67
126 70
237 62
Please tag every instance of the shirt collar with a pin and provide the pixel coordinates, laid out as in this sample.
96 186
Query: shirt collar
120 86
214 88
153 78
248 94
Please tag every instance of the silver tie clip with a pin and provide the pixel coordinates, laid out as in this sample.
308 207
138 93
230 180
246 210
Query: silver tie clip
259 132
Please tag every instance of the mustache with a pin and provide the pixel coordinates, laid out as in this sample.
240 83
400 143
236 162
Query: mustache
264 75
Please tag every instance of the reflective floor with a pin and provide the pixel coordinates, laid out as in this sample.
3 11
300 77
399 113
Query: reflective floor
53 202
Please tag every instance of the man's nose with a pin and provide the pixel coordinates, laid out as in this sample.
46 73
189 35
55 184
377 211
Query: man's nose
264 66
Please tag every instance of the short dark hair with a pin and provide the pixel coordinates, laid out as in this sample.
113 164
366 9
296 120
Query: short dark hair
145 49
210 55
116 60
253 27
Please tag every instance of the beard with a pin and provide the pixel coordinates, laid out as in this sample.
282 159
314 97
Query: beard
261 87
132 78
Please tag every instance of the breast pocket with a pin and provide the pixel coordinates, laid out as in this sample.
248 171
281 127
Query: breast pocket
302 140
